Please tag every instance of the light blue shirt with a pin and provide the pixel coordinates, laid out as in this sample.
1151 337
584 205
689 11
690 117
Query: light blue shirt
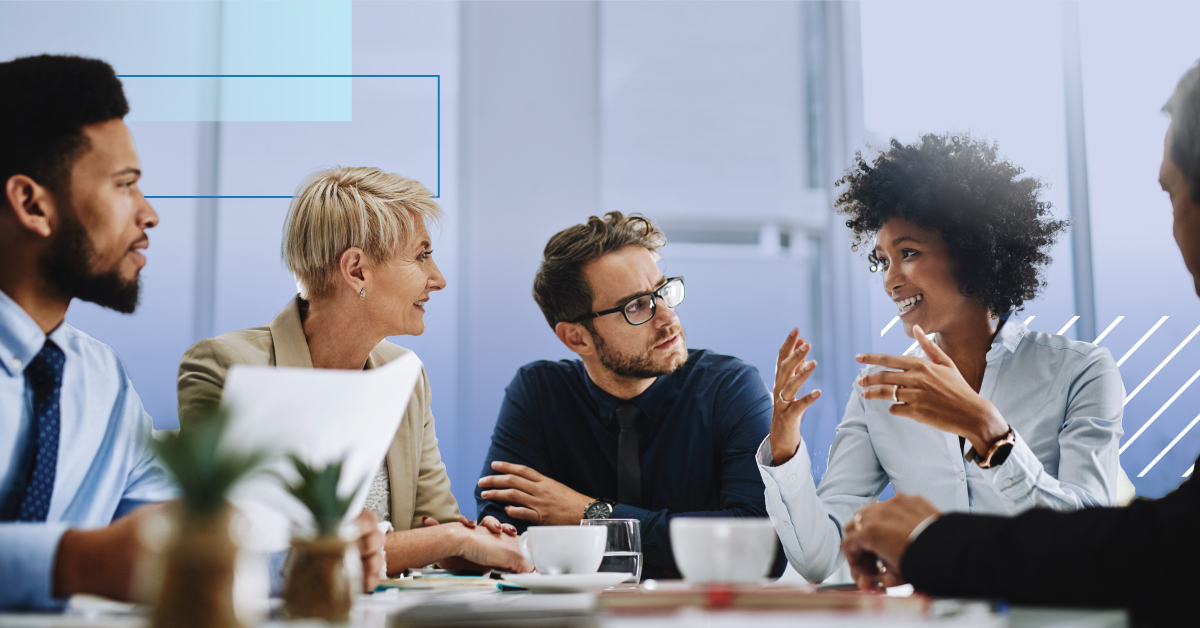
1064 399
105 464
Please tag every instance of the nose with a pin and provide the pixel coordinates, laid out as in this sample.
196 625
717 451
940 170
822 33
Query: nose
893 279
436 280
147 217
664 316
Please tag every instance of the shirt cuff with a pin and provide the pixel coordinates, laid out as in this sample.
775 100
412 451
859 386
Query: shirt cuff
912 536
1017 477
789 475
27 552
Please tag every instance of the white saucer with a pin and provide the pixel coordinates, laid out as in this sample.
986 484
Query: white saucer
567 583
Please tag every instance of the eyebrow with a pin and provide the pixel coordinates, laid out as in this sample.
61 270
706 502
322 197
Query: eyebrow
625 299
902 239
125 171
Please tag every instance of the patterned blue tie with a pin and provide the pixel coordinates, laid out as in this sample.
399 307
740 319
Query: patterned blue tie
45 375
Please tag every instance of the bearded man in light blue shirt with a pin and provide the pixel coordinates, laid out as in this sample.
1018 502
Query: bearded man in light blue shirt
75 457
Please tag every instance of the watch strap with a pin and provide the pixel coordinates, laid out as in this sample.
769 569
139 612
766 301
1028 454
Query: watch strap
997 454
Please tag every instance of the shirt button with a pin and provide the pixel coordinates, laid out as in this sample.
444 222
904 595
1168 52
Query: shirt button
792 478
1007 482
16 364
962 475
787 524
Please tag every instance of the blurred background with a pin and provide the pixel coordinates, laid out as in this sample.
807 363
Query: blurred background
725 122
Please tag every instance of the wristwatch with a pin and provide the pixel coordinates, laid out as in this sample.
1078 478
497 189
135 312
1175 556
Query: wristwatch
599 509
997 455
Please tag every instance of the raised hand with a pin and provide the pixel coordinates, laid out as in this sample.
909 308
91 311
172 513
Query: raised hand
933 392
533 497
876 538
792 369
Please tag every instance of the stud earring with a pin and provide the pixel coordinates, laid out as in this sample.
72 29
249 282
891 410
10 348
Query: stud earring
362 294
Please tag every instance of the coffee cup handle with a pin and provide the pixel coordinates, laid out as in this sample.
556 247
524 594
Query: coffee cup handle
523 545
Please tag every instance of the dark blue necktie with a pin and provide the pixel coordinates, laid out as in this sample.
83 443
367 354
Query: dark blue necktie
45 375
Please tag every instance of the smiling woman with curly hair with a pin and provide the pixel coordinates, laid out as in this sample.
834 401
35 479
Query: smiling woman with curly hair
984 414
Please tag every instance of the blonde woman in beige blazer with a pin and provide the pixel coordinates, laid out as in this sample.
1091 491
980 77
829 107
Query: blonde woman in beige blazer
355 239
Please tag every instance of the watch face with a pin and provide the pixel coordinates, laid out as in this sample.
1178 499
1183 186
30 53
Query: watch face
598 510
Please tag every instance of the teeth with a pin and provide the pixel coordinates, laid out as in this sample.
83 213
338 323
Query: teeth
907 304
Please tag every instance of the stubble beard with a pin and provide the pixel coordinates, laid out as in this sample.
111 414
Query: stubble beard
641 366
67 265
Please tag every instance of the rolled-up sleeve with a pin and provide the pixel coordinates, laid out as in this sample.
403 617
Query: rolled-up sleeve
27 552
1088 445
809 520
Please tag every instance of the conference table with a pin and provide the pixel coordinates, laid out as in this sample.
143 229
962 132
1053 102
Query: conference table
387 609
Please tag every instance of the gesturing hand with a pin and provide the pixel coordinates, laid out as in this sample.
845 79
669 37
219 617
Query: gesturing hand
933 392
877 537
791 371
533 497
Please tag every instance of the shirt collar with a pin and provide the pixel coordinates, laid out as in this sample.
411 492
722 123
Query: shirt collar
1007 339
648 402
20 337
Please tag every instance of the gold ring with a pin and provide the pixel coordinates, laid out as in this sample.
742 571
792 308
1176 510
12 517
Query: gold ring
856 521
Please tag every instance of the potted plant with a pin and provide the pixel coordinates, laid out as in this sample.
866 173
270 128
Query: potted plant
317 584
197 584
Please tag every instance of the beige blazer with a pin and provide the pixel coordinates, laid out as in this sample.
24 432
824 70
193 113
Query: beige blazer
419 484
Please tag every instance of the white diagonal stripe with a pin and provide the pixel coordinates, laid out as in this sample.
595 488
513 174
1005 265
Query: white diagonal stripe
1105 332
1029 319
1067 326
1164 452
1189 471
1139 343
889 326
1162 364
1160 411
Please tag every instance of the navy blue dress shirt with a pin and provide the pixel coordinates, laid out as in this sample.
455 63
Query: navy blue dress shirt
701 427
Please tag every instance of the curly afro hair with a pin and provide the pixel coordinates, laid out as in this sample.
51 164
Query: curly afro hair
994 225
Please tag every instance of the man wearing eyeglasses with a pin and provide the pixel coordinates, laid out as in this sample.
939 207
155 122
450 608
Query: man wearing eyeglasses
638 427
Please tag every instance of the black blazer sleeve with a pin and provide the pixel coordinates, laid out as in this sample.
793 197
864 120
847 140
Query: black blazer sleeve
1145 557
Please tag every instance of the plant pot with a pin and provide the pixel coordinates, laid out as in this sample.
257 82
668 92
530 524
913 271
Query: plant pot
197 585
317 584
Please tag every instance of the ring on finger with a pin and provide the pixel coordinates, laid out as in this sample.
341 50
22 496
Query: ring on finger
895 394
856 521
785 400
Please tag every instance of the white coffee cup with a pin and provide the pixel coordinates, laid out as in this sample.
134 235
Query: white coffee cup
724 549
555 550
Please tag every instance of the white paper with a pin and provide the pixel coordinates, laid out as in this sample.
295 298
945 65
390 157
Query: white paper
321 416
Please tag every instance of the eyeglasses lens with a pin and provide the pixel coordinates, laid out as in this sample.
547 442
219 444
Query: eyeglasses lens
672 293
640 310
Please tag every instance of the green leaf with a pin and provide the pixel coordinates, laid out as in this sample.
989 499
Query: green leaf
316 488
205 473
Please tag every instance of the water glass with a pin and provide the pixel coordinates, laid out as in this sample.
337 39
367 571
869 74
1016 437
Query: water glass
623 552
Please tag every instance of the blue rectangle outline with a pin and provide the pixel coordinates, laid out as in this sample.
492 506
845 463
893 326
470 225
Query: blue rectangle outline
439 109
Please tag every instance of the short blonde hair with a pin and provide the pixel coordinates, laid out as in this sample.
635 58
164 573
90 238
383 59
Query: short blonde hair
341 207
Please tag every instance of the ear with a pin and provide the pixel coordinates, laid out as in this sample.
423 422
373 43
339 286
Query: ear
31 203
576 337
352 267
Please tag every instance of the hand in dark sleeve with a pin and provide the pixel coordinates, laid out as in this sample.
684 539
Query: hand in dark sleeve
518 438
1095 557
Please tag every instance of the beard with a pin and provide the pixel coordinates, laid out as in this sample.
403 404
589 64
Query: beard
640 366
67 265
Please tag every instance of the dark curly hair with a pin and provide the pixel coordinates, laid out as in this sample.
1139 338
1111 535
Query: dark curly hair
994 225
48 100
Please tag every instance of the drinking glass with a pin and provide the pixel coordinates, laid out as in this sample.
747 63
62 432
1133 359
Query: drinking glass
623 552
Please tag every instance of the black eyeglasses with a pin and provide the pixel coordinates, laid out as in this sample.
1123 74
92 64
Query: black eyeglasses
640 309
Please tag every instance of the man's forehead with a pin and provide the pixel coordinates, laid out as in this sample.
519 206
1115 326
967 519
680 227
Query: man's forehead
110 146
623 273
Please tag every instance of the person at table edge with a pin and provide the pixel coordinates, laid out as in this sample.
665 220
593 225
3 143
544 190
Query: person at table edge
639 427
960 238
77 471
1140 556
